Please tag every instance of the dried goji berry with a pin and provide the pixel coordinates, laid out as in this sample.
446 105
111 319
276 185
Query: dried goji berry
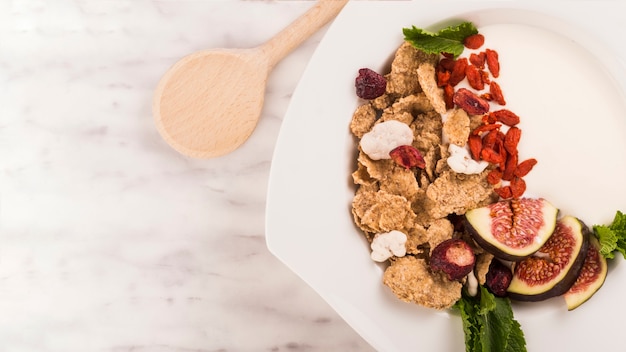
485 75
475 144
518 187
504 192
496 93
443 77
486 128
474 41
490 155
511 139
447 64
524 167
458 72
448 96
489 140
499 148
470 102
510 166
493 63
494 176
507 117
474 78
489 118
477 60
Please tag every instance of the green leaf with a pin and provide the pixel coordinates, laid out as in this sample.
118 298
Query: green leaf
489 325
612 237
607 239
448 40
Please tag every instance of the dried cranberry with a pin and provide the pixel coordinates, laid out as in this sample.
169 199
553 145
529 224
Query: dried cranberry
454 257
408 156
498 278
370 84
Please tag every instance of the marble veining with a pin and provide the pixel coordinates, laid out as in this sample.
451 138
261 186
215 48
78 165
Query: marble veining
110 240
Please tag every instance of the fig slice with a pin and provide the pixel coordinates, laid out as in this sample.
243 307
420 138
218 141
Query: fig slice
512 229
591 277
555 267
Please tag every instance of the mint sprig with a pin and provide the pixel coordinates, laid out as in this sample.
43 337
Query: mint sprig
448 40
612 237
489 325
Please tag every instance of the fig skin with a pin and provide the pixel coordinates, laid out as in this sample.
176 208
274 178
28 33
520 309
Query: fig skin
454 257
567 280
582 291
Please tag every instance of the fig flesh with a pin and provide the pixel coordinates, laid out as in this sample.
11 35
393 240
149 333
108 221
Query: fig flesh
555 267
512 229
591 277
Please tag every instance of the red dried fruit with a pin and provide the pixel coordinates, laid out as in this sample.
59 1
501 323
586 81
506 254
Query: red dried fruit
518 187
443 77
489 118
470 102
454 257
493 63
475 144
447 64
511 139
474 41
507 117
509 167
448 96
496 93
486 96
504 192
491 155
485 75
370 84
524 167
494 176
478 60
407 156
498 278
499 148
489 140
485 128
458 72
474 78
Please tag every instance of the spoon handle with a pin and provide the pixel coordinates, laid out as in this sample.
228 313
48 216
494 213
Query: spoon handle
301 29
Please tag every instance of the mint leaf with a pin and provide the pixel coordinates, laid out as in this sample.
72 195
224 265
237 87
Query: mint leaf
607 239
489 325
612 237
448 40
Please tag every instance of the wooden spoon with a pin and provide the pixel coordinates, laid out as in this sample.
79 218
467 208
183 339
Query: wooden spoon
209 102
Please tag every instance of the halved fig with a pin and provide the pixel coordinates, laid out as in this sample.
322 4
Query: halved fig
591 276
555 267
512 229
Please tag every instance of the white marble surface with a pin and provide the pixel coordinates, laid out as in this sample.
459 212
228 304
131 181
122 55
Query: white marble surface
110 240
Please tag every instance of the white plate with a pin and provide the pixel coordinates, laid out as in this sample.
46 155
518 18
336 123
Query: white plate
562 72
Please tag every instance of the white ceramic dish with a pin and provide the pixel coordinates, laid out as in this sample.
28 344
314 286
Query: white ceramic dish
562 72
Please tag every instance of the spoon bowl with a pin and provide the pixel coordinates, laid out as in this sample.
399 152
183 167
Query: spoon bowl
209 102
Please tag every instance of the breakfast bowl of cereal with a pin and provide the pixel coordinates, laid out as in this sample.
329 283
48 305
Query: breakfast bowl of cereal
403 141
